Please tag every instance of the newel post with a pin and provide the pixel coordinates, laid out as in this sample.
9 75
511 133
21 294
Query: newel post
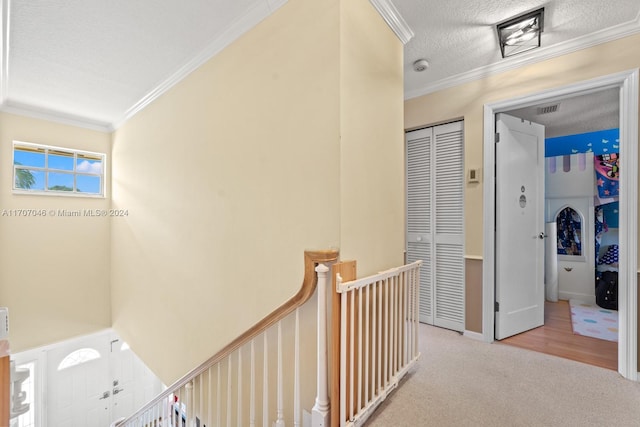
320 411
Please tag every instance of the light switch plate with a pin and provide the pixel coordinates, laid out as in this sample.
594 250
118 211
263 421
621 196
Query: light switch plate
473 175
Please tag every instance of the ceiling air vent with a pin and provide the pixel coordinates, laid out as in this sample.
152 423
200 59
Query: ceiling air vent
547 109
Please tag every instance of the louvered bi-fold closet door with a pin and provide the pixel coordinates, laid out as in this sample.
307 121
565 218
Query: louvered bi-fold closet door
419 214
435 221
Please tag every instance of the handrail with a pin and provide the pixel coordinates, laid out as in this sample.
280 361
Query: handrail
311 258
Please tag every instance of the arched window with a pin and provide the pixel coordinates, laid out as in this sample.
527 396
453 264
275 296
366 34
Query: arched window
569 225
78 357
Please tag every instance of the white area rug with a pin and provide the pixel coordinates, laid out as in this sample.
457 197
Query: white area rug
593 321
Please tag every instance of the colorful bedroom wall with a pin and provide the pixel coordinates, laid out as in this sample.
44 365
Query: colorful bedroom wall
605 146
599 142
582 172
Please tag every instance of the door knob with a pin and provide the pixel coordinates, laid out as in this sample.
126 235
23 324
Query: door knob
117 390
542 235
105 395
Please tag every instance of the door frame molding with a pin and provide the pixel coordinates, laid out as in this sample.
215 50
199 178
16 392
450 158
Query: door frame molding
627 83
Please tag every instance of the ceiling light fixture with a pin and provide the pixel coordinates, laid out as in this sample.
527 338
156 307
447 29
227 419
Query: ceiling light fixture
520 34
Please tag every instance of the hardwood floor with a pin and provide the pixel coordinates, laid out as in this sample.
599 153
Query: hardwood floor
556 337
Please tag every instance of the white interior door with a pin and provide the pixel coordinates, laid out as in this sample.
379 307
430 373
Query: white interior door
519 226
133 382
100 380
77 379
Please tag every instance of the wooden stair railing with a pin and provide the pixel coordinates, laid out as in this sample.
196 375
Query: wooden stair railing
196 398
5 387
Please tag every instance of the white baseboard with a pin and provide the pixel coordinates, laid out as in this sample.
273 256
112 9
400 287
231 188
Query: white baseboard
474 335
589 299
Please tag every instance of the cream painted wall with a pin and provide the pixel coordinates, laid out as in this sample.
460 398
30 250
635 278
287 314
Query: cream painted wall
372 140
54 271
270 148
228 178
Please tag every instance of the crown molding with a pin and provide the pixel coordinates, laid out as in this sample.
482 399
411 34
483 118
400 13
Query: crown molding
392 17
532 57
20 109
252 18
276 4
4 49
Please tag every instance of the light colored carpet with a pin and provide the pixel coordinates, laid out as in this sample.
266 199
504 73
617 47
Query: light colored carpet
593 321
462 382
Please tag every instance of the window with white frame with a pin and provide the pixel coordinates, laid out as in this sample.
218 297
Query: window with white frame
45 169
78 357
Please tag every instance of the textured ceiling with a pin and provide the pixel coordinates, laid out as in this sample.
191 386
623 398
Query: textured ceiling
459 36
98 62
576 115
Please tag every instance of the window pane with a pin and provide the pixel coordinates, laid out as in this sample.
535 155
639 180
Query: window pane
89 184
28 156
89 164
569 232
60 181
60 160
29 179
40 168
78 357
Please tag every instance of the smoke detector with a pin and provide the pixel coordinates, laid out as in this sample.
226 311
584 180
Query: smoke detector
420 65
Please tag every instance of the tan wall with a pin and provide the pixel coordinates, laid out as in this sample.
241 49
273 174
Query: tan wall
372 140
467 101
237 170
473 292
54 271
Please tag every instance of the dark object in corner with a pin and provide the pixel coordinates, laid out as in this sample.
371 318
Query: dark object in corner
607 290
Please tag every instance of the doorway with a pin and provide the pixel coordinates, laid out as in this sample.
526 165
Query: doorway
85 381
626 84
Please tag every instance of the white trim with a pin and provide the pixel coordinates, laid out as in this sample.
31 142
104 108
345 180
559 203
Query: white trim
69 341
590 299
39 356
249 20
394 20
25 110
627 82
4 50
276 4
536 55
473 335
45 169
627 287
488 213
